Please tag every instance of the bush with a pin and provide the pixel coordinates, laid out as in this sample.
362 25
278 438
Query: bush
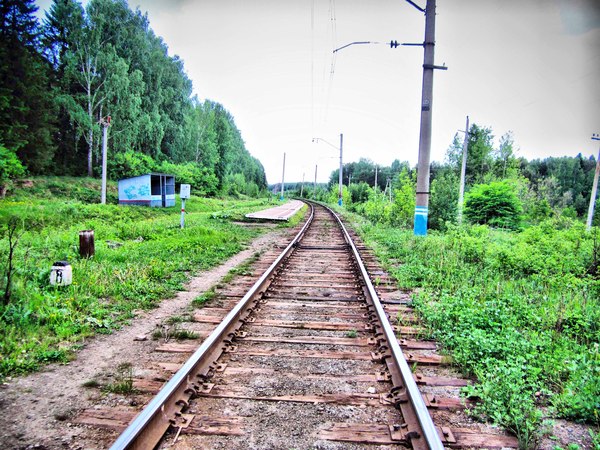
129 164
359 192
443 205
495 204
10 168
202 181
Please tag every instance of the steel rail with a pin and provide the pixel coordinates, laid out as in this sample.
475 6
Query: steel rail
424 418
129 438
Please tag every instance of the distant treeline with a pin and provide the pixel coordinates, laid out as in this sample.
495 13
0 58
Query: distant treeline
552 187
60 78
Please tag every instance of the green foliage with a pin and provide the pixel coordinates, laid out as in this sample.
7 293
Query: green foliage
377 209
204 298
26 100
495 204
60 80
203 182
518 310
595 435
123 383
173 331
364 171
565 182
359 192
334 194
42 322
85 190
443 204
10 168
130 164
580 398
351 334
403 208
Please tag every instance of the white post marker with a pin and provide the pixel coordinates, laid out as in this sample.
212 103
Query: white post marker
184 193
588 224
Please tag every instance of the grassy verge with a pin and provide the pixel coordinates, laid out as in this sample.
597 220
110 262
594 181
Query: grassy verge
142 256
520 311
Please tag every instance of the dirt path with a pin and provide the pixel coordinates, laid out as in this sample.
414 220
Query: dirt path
35 410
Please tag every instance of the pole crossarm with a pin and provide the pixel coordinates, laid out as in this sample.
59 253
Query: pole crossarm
416 6
431 66
317 139
354 43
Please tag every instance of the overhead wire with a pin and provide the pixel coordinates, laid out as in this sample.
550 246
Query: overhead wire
312 68
333 23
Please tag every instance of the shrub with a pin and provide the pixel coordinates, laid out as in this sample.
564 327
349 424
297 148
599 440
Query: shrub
495 204
129 164
10 168
202 181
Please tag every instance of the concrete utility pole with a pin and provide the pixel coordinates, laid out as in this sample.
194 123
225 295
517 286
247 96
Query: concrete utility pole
302 186
375 185
463 173
282 178
315 185
422 197
341 168
595 137
105 122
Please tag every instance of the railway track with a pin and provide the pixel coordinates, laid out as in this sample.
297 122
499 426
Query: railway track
308 358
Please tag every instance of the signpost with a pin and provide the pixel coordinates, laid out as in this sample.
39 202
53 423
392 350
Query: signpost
184 193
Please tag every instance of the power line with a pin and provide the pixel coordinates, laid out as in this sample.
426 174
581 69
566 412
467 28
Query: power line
312 67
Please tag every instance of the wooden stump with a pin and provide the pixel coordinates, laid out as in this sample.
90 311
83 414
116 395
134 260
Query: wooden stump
86 243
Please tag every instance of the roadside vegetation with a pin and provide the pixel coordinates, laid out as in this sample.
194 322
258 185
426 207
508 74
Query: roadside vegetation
518 311
142 256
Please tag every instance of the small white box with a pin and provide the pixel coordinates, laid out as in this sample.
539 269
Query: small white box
61 274
184 191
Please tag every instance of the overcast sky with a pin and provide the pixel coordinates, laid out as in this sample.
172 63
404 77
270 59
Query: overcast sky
527 66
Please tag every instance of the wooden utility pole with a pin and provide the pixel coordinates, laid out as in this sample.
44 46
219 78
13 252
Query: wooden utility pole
595 137
463 173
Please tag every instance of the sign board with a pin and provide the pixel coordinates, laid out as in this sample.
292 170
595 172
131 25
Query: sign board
184 191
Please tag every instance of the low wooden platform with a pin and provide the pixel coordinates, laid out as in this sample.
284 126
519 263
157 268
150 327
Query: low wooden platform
281 212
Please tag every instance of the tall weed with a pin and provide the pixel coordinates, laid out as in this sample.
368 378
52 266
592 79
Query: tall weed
519 310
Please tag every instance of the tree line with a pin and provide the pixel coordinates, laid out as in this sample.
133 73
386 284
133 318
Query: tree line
501 189
60 78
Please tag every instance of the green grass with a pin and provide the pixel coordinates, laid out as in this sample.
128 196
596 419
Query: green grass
204 298
179 319
123 383
518 310
173 331
43 323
